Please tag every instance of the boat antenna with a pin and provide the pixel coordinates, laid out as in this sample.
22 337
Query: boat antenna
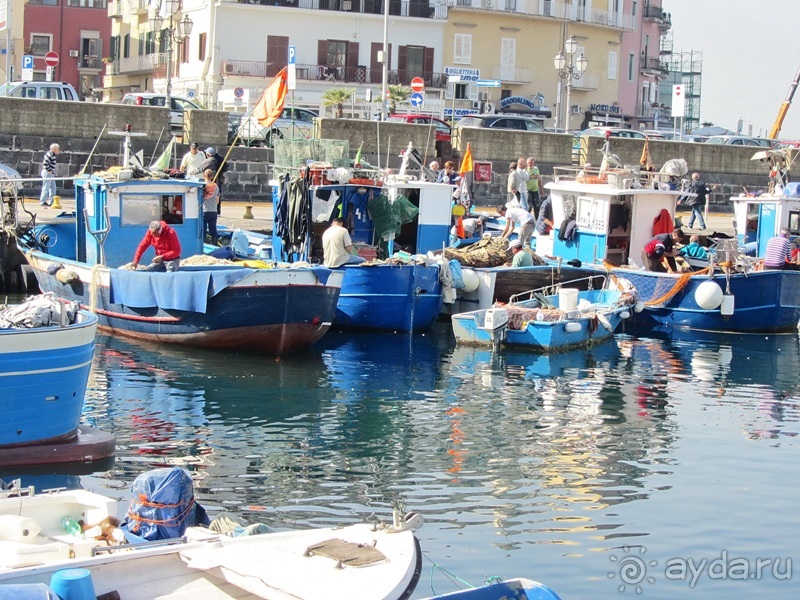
88 158
127 134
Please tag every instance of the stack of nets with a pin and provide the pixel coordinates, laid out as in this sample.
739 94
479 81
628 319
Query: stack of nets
488 252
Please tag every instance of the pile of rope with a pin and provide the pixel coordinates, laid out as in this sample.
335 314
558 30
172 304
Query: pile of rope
487 252
518 316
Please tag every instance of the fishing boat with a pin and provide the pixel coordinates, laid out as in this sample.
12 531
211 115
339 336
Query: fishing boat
46 350
394 221
72 541
518 589
546 322
257 306
612 214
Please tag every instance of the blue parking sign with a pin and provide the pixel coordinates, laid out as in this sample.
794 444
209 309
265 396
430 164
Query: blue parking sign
27 61
292 54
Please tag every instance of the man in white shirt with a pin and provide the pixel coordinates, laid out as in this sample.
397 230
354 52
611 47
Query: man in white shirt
516 215
337 246
192 163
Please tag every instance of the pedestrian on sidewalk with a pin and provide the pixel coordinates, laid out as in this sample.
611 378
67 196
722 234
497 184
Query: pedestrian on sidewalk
534 181
698 201
48 176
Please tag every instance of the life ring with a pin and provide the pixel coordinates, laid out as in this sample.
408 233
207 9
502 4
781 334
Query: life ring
605 322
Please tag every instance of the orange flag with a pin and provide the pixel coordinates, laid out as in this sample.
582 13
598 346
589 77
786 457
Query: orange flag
466 162
269 107
460 228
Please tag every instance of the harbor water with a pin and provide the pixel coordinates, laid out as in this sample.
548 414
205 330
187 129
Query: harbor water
655 468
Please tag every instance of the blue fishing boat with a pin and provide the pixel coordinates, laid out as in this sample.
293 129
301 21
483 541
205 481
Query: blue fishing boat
610 216
518 589
393 223
46 350
255 306
544 322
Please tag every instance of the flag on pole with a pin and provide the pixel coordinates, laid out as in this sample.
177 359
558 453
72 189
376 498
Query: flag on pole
645 160
358 155
466 162
163 161
269 107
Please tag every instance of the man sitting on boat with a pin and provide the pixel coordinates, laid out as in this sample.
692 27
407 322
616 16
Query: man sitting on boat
779 252
337 246
693 250
521 257
520 216
661 246
164 240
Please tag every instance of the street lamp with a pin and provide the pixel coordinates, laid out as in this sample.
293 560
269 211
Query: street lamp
174 33
569 67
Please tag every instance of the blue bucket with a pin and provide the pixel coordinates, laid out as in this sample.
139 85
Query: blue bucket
73 584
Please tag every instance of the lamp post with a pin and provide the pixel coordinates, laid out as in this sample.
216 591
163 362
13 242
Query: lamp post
174 33
569 67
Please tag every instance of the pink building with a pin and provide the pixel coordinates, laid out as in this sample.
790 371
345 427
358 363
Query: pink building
78 31
643 63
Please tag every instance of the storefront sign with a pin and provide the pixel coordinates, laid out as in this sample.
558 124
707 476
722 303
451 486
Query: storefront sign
464 73
604 108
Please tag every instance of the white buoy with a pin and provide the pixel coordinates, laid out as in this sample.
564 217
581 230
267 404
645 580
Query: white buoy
726 308
17 528
625 314
471 280
708 295
572 327
639 306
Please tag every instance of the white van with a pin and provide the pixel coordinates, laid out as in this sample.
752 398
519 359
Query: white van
40 90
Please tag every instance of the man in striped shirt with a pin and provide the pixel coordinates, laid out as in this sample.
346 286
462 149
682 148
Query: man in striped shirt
48 175
779 251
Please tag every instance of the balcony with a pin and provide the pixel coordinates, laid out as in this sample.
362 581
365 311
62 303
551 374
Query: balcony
135 7
654 66
115 9
330 74
136 64
649 111
587 83
90 63
398 8
557 10
656 14
520 75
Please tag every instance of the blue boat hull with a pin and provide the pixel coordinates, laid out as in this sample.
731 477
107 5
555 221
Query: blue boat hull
272 311
43 375
516 589
764 302
389 297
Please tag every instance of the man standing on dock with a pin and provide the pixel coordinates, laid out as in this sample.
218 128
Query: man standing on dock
48 176
697 201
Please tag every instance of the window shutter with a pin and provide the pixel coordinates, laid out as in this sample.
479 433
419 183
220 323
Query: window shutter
450 91
322 52
278 50
352 54
472 91
612 65
402 60
428 65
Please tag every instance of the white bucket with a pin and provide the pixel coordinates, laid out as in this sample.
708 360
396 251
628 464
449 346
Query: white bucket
567 299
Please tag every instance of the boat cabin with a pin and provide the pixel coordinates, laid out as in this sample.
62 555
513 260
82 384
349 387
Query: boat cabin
113 216
759 218
369 215
608 218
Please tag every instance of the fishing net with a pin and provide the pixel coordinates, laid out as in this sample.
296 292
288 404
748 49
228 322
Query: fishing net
488 252
388 217
298 153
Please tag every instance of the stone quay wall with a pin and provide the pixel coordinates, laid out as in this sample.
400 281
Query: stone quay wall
28 127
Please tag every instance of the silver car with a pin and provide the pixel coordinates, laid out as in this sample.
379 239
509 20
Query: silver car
294 123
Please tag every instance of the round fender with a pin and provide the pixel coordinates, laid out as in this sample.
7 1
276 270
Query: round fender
471 280
708 295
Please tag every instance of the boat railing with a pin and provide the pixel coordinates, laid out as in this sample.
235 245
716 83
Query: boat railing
627 177
553 289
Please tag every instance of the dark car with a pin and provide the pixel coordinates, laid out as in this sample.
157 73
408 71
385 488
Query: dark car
518 122
442 128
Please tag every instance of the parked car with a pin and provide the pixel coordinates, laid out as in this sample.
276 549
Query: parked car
177 105
519 122
293 123
787 144
655 134
619 132
41 90
443 133
739 140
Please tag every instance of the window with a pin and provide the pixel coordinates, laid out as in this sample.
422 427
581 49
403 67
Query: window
40 44
508 51
612 65
87 3
462 91
337 53
44 2
462 49
633 8
415 59
126 46
631 65
201 50
142 209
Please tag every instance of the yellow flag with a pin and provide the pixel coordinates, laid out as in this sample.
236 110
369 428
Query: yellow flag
466 162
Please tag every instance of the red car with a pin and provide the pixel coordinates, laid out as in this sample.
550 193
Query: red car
442 128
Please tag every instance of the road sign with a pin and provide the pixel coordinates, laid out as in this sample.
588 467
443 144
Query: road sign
27 61
416 99
488 83
453 78
51 59
292 54
417 84
678 101
238 92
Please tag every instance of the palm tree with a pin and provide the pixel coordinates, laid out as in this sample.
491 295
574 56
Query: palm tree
398 94
337 97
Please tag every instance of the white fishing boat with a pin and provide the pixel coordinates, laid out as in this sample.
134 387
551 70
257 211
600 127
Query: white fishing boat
369 561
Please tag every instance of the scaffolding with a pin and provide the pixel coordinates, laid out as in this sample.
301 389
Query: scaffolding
686 69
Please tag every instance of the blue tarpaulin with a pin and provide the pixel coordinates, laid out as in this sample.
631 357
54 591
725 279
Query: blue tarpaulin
187 289
162 506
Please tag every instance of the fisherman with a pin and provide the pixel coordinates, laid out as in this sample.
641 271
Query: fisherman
521 217
210 197
694 250
219 166
473 227
191 165
521 256
661 246
164 240
338 247
779 252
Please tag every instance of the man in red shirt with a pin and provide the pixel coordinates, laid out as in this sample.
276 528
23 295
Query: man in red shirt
661 246
165 241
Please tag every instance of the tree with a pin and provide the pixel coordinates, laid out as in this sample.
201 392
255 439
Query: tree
398 94
337 97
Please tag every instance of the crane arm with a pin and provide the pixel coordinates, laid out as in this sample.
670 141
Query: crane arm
776 127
